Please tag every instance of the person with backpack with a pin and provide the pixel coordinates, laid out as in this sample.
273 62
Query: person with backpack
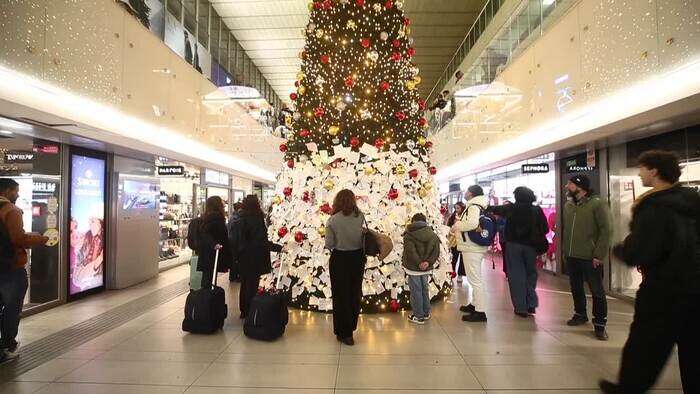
586 243
474 235
213 235
421 248
525 237
234 239
14 242
344 238
253 250
664 243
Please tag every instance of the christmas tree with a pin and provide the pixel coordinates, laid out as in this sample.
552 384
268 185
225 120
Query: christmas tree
359 125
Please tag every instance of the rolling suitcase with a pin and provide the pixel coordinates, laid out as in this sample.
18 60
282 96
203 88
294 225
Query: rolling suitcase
268 315
206 309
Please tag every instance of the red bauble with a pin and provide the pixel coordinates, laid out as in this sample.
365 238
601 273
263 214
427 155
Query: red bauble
413 173
325 59
411 51
304 133
365 42
283 148
354 142
379 143
296 83
384 86
406 21
443 210
422 122
282 231
395 56
394 305
393 194
305 197
317 6
400 115
287 191
360 3
453 274
396 43
299 236
290 163
327 5
428 144
319 111
421 104
432 170
293 96
389 4
349 82
326 208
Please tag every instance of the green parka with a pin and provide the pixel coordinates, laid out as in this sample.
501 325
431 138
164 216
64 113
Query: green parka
587 229
420 243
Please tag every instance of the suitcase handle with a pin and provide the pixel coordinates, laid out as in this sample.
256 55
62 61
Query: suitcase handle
279 272
216 266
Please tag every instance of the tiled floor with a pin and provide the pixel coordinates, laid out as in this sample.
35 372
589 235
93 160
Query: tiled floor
507 355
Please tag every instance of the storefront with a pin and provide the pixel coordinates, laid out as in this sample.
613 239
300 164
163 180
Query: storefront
218 183
626 187
37 166
179 188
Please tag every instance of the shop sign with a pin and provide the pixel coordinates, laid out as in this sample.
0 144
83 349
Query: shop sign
577 168
542 168
44 187
171 170
216 177
46 149
19 157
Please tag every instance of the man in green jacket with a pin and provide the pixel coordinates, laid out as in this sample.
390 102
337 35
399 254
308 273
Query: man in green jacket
587 233
421 248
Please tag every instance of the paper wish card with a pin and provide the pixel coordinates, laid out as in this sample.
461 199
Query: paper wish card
369 150
312 147
352 157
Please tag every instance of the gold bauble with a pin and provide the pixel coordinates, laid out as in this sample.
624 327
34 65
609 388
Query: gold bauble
421 141
428 186
302 89
400 169
301 75
329 185
422 193
410 85
311 6
333 130
322 231
277 200
370 171
417 79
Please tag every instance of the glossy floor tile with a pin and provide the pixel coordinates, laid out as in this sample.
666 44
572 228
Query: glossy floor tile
508 354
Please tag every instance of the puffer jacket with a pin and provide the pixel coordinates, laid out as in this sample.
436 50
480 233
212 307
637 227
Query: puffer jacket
664 241
468 222
420 243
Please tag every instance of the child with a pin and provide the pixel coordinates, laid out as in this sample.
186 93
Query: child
421 248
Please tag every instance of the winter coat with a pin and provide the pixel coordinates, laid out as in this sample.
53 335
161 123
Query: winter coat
665 240
525 223
587 229
11 218
254 251
420 243
469 222
212 232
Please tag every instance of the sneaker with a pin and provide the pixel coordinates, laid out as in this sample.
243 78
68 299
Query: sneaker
524 315
350 341
428 317
476 317
467 308
577 320
601 334
416 320
608 387
12 352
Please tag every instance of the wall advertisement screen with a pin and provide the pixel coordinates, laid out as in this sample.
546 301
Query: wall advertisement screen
87 224
139 195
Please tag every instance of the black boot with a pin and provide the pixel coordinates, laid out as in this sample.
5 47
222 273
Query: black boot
476 317
608 387
467 308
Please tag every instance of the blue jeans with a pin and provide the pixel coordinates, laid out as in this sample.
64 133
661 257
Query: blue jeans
522 276
420 298
13 288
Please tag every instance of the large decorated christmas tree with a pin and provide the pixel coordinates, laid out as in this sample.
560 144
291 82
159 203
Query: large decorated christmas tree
359 125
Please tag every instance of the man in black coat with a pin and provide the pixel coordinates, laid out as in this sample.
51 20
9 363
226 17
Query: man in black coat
664 244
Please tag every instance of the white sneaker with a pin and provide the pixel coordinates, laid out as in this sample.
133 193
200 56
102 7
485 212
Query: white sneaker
427 317
12 352
416 320
459 279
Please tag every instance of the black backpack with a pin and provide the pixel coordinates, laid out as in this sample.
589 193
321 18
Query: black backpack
8 254
193 234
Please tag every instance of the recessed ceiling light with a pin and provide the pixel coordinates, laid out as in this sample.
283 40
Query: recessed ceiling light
6 132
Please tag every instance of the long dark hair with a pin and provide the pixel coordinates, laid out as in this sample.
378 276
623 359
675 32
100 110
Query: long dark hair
345 202
251 206
214 207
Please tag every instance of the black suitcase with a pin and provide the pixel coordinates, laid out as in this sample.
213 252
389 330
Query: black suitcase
268 315
206 309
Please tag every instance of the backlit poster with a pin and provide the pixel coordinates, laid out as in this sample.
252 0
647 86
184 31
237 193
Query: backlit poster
87 224
185 44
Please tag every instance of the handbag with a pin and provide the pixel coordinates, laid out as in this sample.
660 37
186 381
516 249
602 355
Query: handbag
375 243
